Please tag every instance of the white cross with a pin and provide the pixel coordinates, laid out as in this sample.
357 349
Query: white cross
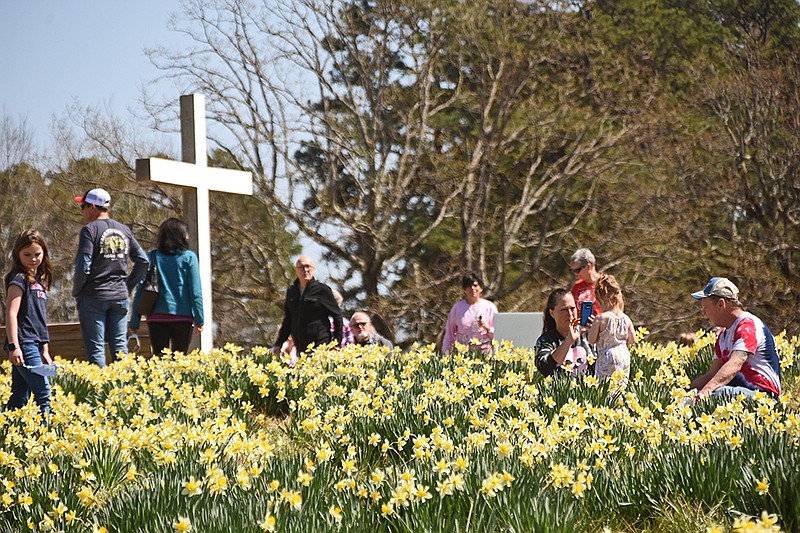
196 179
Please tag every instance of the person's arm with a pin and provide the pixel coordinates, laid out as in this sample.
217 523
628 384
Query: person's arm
700 381
486 320
140 264
83 261
286 325
328 303
631 331
196 290
13 302
597 326
725 373
559 355
551 352
338 323
46 354
135 321
450 329
545 363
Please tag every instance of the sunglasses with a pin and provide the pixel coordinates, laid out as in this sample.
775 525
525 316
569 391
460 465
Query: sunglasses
358 324
577 270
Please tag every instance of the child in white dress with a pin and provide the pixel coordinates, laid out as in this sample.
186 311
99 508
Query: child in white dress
612 331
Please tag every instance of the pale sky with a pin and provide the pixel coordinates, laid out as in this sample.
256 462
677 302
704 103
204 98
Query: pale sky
57 52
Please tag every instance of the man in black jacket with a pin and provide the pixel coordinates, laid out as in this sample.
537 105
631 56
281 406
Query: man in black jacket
308 310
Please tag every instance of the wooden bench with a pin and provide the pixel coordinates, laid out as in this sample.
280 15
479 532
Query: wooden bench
67 342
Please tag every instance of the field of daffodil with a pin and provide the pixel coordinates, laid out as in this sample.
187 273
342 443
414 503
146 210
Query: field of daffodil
368 440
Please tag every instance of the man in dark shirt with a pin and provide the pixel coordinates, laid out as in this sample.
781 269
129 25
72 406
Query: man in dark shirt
102 283
308 305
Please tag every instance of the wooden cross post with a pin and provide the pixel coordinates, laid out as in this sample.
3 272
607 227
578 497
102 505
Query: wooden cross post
197 179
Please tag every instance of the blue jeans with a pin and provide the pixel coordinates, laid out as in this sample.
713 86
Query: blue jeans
733 392
103 321
24 382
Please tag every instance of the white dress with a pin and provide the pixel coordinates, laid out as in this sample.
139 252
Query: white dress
612 348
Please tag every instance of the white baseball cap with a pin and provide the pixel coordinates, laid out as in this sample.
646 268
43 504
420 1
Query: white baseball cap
98 197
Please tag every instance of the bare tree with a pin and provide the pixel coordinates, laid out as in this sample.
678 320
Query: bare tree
309 94
16 142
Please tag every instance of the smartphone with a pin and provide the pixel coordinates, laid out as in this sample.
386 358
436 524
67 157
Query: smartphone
586 311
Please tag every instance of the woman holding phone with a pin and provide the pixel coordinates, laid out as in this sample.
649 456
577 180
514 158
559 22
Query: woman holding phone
563 345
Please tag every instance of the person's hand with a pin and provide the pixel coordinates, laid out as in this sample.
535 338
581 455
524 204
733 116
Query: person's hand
133 331
691 398
701 394
198 330
482 325
574 330
15 357
46 356
589 323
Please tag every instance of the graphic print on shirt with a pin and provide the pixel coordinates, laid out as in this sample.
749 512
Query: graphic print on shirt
39 291
762 367
113 244
577 359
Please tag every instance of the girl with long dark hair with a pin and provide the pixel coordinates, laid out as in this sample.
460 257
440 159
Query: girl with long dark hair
27 340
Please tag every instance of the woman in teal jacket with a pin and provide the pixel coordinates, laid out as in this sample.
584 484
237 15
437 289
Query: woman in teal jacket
179 307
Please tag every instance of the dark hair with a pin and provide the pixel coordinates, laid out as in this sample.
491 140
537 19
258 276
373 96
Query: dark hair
469 278
173 236
44 272
549 323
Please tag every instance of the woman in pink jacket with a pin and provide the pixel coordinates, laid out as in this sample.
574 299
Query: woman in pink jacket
471 318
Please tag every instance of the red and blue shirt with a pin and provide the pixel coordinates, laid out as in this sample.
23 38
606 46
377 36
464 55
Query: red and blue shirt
762 369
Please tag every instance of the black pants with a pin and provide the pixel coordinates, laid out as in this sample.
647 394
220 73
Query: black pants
173 335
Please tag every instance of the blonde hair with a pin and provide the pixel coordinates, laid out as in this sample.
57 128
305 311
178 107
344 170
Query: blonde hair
687 339
608 291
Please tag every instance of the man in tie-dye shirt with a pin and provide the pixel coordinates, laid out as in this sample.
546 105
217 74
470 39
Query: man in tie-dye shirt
745 359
